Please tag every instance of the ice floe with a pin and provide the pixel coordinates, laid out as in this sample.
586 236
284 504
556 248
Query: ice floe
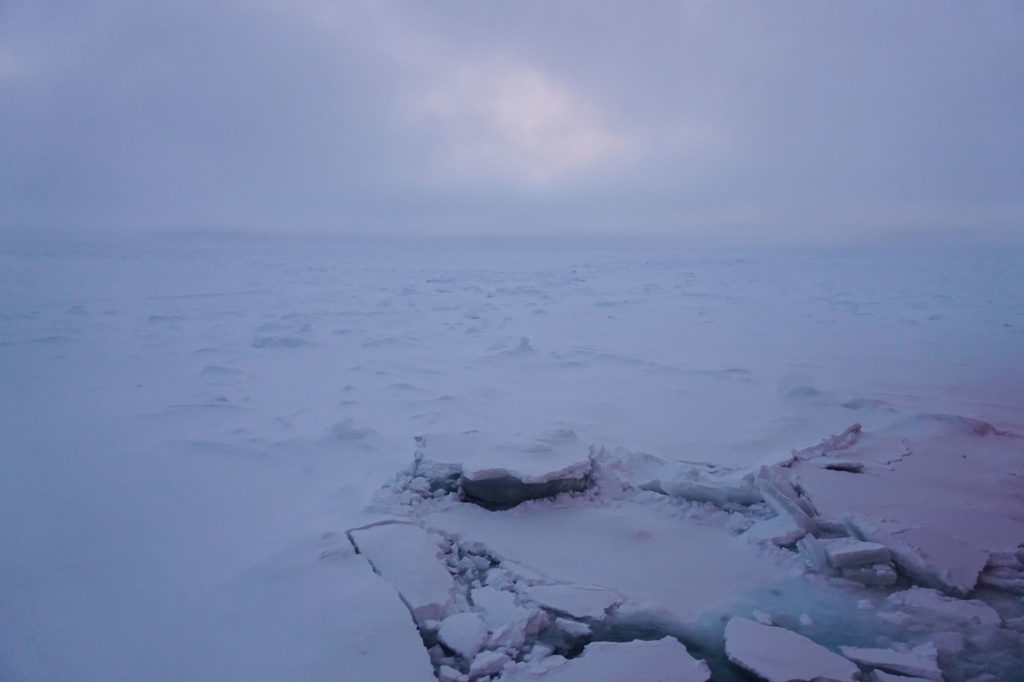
920 661
664 660
500 474
409 559
779 655
464 633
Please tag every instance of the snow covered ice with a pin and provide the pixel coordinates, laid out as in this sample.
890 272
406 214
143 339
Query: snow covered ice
347 461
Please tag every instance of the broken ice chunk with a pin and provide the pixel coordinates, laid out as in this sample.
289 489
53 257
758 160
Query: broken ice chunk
463 633
408 558
578 601
935 603
844 552
914 550
510 624
779 655
706 490
847 465
813 551
439 475
864 562
876 575
784 499
780 531
1004 571
920 662
446 673
665 659
509 637
498 606
882 676
500 474
488 663
573 628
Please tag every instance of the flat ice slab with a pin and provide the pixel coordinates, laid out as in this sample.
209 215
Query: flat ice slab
779 655
502 473
848 552
882 676
937 605
579 601
665 660
779 530
407 557
920 662
313 611
934 491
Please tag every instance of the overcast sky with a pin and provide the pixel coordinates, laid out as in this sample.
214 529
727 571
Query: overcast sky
741 121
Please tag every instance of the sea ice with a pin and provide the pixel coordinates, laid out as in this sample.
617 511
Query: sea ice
919 662
408 558
935 604
877 575
779 530
882 676
498 606
941 512
679 567
850 552
579 601
464 633
779 655
500 473
781 496
488 663
664 660
313 611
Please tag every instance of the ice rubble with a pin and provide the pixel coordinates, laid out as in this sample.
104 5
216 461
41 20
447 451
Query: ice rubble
779 655
945 517
521 601
463 633
1005 571
864 562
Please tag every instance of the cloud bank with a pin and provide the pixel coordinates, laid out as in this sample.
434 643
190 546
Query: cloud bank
734 122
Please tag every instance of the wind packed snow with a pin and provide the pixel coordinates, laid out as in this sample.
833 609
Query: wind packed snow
283 460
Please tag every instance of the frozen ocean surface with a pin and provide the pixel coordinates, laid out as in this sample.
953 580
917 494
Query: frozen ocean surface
193 430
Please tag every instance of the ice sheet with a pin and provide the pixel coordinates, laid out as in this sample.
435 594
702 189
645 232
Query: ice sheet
178 415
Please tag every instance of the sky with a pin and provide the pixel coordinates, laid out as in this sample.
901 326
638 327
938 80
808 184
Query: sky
739 122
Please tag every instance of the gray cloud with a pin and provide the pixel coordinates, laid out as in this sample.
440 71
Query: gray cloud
747 121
